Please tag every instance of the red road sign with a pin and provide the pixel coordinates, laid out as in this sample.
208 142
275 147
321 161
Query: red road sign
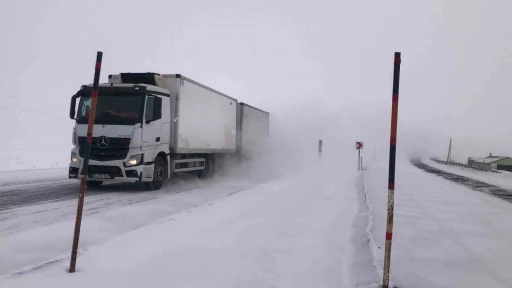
359 145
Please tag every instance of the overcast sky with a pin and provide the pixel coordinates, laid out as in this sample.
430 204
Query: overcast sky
324 68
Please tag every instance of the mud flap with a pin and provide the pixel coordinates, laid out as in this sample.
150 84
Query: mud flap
147 173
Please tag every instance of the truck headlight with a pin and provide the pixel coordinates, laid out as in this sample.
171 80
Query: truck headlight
74 158
134 160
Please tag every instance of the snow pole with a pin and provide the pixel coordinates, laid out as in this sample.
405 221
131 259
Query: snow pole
449 158
85 165
319 150
391 180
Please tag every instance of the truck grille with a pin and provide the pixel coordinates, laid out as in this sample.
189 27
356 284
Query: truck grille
117 149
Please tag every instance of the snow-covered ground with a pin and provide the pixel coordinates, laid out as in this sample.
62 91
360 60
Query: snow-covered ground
503 180
35 234
322 227
445 235
294 231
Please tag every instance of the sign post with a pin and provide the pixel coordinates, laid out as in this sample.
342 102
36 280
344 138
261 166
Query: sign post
85 166
392 160
359 146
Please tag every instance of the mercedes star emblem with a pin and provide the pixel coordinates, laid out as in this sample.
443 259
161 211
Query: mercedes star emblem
102 142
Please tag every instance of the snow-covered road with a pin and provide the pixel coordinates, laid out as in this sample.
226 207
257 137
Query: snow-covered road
323 227
22 188
477 185
294 231
38 224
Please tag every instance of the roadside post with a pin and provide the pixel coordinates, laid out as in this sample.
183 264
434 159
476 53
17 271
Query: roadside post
85 165
392 160
320 150
359 146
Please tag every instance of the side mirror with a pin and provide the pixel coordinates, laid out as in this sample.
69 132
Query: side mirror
72 106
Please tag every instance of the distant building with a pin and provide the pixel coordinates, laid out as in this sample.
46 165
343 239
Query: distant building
492 162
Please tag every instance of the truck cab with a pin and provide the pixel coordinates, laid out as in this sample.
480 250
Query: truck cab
127 142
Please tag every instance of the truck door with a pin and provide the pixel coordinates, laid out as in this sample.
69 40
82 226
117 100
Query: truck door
152 124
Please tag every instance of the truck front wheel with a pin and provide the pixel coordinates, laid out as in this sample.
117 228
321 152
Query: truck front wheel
158 175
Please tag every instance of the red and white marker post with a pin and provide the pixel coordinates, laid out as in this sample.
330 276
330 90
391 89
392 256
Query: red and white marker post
392 161
85 166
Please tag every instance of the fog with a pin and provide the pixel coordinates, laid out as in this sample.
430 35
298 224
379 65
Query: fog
322 68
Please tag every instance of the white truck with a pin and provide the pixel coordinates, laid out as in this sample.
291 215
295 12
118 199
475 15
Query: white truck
149 126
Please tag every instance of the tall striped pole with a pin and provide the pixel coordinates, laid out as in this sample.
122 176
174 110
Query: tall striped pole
85 166
391 180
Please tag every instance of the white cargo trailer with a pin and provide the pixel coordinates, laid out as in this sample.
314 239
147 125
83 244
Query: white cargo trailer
149 126
253 126
206 119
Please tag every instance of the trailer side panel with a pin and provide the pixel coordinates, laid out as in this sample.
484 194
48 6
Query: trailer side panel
253 128
206 120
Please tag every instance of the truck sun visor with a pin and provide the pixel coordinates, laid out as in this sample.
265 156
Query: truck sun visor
86 90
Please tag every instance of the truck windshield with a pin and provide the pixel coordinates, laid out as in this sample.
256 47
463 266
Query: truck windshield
112 108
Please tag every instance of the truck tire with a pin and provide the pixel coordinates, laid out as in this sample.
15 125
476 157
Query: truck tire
209 168
158 175
94 184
